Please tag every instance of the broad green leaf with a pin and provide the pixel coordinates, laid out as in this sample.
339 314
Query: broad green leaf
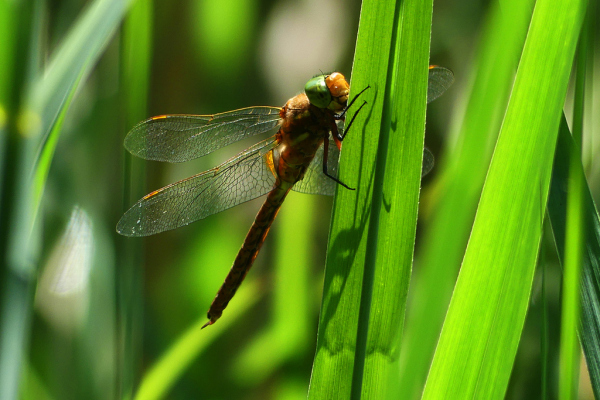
373 228
462 173
481 332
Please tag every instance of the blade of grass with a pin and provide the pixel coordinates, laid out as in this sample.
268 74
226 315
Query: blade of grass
570 311
590 274
136 59
45 160
15 266
161 376
70 64
544 329
372 238
73 59
392 228
8 26
569 346
462 173
481 332
334 360
39 109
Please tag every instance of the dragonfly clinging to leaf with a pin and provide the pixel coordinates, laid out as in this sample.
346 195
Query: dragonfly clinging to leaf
302 156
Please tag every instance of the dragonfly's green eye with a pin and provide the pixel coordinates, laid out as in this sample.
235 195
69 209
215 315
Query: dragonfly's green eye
317 91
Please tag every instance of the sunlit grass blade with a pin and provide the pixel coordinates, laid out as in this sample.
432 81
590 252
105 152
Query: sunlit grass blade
45 158
70 64
478 343
373 229
462 173
74 57
8 24
336 342
161 376
137 58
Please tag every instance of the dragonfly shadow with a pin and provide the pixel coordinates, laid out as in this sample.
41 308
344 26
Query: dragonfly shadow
343 250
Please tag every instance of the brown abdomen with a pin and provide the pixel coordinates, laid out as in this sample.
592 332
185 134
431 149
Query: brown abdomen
247 254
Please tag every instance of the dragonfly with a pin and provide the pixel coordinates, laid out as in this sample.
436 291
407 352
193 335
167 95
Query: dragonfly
302 156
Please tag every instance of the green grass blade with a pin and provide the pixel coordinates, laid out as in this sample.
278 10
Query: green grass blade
74 57
372 235
71 63
334 360
40 109
8 25
161 376
545 322
45 159
463 172
136 58
569 345
590 274
570 310
481 332
16 267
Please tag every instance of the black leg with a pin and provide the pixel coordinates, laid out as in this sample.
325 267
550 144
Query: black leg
342 135
325 155
340 116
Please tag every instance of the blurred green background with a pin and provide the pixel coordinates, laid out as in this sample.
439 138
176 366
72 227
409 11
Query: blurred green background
99 328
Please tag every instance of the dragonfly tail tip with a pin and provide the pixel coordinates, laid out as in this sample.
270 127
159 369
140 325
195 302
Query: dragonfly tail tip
207 324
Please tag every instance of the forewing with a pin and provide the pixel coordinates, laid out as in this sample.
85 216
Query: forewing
240 179
315 181
427 162
178 138
440 79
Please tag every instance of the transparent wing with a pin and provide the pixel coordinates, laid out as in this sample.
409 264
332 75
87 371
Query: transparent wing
440 79
315 181
178 138
240 179
427 162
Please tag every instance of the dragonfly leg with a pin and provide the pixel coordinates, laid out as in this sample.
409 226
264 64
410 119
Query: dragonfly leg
342 135
343 113
325 154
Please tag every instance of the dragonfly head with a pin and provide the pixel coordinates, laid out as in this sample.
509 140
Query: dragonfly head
328 91
339 89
